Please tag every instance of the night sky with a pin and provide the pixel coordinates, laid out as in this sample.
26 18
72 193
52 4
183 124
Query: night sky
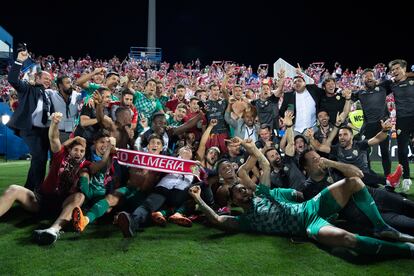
253 32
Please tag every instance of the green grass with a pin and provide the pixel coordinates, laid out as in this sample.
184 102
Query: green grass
172 250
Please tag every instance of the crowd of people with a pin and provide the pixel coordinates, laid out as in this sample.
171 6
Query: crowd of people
287 152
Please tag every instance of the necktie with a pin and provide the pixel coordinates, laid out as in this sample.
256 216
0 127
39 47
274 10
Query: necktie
47 108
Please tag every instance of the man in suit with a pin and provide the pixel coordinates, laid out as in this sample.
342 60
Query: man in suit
304 102
31 118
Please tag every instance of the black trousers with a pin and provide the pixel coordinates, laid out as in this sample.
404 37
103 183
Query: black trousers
372 179
369 131
396 210
37 140
173 197
405 127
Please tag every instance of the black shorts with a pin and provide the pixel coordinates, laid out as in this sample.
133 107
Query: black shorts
49 205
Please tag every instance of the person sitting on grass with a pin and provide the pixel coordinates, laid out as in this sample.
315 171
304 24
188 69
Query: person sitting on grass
130 223
172 190
59 193
96 183
278 211
140 184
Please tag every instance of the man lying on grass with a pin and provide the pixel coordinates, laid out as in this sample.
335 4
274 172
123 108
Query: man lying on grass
395 209
277 211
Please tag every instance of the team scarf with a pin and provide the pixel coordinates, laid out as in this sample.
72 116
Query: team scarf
68 174
159 163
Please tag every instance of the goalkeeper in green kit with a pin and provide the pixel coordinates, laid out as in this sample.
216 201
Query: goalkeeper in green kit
279 211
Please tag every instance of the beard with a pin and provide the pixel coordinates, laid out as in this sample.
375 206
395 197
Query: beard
210 162
370 84
160 131
68 91
276 163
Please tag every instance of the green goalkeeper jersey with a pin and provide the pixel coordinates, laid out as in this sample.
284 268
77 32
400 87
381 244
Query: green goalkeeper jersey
274 212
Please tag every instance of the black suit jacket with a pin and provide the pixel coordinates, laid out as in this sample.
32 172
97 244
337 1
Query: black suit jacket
290 98
28 96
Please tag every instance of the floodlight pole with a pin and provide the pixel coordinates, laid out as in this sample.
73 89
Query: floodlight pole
151 38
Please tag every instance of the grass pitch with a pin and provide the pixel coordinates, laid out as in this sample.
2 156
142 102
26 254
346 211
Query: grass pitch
174 250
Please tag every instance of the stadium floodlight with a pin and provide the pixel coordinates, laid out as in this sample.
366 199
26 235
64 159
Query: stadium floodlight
5 119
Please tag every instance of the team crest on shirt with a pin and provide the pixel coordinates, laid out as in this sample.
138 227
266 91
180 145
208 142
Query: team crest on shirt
355 152
398 131
285 169
242 160
266 103
363 137
330 179
195 170
411 82
338 98
377 88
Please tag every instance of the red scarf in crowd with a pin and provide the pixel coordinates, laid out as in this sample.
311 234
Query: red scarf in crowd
159 163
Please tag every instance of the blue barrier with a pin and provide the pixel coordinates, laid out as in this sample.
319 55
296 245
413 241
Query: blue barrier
12 146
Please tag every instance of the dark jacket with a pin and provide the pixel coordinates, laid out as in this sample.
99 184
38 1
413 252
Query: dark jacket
28 96
290 98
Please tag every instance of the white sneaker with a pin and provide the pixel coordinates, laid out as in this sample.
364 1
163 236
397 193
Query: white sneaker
406 184
46 236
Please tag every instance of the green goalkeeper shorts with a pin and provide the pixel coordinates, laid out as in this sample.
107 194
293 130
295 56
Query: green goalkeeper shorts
318 210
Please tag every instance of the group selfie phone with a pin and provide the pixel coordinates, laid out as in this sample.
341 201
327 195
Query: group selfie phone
28 63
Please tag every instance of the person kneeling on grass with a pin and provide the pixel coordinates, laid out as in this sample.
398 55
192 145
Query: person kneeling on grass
59 191
276 211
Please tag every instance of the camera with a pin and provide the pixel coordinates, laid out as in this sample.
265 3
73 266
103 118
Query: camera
200 104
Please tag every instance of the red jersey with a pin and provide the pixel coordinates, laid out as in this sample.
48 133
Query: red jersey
195 130
172 104
63 174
